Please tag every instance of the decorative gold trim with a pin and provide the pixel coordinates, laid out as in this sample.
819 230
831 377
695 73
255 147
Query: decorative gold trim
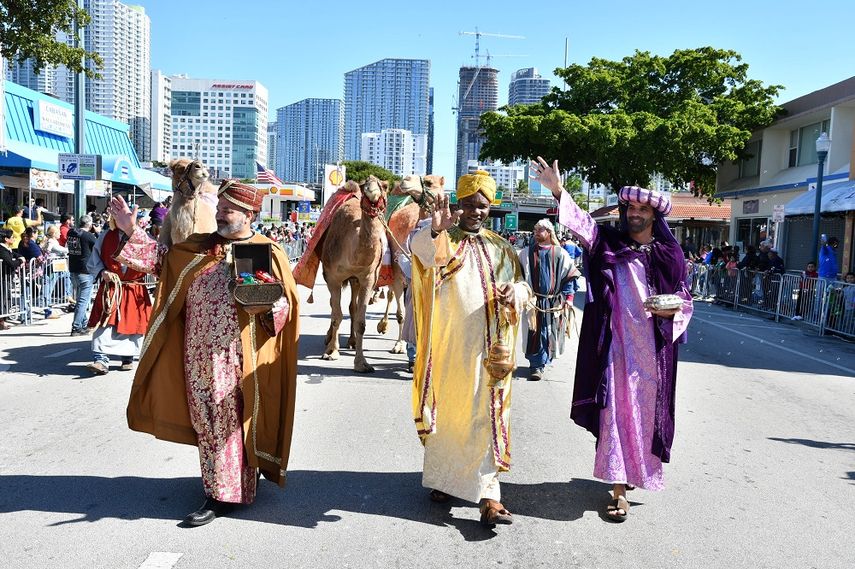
257 398
172 294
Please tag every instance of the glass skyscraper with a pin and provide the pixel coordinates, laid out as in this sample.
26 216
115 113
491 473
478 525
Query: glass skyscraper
391 93
308 135
527 87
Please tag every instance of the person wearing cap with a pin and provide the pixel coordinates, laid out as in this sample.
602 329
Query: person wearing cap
550 271
213 373
17 224
627 361
468 292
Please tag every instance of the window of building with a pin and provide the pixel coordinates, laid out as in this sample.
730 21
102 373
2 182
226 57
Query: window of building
750 166
802 149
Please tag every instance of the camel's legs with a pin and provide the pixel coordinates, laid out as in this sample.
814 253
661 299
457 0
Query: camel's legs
358 325
354 293
331 351
383 325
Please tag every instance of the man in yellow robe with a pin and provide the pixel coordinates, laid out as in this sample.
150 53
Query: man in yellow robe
468 291
213 373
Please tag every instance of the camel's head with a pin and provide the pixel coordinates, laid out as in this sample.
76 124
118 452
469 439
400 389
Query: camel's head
374 189
188 176
423 189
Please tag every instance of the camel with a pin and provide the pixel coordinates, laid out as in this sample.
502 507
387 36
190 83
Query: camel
352 250
422 191
194 203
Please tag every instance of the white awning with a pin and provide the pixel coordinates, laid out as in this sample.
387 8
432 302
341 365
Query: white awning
839 196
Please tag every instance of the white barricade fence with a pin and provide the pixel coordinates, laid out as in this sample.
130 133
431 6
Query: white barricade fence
12 292
839 308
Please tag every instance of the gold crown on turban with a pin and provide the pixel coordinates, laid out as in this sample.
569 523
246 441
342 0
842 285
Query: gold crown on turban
477 181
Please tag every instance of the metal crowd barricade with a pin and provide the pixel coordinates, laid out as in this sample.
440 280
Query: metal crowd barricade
802 299
759 291
11 293
51 283
839 308
727 283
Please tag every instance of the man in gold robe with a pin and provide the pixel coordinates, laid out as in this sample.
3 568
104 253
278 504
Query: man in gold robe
468 291
213 373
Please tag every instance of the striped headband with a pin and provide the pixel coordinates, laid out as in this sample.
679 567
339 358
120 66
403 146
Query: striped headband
660 201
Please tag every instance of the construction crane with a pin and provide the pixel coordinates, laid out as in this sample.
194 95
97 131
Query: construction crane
478 35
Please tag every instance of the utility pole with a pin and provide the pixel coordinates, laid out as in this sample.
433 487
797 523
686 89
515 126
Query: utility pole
79 118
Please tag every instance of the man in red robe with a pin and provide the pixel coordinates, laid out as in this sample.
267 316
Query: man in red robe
122 306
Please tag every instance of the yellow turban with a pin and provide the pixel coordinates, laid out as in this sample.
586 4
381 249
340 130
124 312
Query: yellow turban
478 181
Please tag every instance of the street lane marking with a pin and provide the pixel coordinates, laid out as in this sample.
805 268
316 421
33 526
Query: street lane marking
795 352
63 353
161 560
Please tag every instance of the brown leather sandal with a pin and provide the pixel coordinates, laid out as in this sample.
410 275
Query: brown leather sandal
494 513
439 496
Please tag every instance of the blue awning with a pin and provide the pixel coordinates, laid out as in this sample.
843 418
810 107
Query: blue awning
835 197
22 155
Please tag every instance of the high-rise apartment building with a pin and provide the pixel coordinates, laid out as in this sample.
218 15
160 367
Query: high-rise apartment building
271 146
478 92
221 122
24 74
396 149
309 135
430 134
507 176
161 117
527 87
121 35
390 93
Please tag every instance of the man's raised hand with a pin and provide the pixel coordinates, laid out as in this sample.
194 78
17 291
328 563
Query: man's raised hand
442 217
549 177
123 216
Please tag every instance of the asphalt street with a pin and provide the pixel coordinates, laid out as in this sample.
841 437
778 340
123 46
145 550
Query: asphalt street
762 472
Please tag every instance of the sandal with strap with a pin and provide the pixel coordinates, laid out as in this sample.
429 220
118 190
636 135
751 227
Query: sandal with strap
439 496
618 509
494 513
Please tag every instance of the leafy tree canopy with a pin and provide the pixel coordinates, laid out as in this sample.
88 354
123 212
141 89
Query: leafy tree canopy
28 30
359 171
620 121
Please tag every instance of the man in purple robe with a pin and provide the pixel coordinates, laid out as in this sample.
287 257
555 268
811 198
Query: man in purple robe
627 361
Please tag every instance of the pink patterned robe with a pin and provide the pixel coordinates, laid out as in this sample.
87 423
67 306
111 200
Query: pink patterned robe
212 368
626 424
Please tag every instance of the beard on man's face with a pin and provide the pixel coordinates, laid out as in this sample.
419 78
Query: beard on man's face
225 229
637 224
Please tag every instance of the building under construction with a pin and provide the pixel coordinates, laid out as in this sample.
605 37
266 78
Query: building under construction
478 92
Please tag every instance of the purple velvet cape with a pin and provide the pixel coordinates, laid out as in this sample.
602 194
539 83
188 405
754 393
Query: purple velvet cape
665 268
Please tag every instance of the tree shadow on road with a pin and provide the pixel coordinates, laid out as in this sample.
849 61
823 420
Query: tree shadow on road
815 444
309 499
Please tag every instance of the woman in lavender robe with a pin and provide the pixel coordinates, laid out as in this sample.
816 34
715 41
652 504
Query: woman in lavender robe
627 362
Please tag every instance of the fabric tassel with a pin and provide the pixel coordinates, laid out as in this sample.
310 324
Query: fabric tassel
311 297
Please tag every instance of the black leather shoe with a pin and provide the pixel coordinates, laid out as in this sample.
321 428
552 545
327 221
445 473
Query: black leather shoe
210 509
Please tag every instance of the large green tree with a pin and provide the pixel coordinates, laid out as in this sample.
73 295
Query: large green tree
28 31
618 122
359 171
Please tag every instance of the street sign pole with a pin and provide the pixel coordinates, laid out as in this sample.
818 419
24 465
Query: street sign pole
79 120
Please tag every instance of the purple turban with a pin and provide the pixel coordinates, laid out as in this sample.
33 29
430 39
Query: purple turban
660 201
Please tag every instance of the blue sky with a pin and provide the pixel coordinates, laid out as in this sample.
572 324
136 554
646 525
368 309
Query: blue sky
302 49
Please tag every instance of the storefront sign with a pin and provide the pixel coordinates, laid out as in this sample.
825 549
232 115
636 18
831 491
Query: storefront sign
52 118
778 213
